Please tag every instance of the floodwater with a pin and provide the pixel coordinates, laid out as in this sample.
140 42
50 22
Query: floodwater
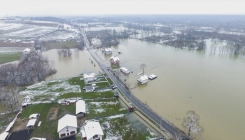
208 83
78 63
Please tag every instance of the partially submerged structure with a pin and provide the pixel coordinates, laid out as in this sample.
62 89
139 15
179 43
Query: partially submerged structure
108 51
91 130
124 70
67 126
143 79
115 60
80 108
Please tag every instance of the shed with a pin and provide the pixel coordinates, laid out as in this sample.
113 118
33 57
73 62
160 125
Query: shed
34 116
67 126
89 88
31 123
80 108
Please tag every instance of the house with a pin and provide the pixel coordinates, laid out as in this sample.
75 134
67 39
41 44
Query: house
27 50
31 123
34 116
115 60
124 70
80 108
35 138
91 130
89 88
107 51
67 126
143 79
4 136
89 77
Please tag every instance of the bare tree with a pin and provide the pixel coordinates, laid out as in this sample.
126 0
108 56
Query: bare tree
143 66
191 123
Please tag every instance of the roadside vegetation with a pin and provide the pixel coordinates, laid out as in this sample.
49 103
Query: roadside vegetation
60 45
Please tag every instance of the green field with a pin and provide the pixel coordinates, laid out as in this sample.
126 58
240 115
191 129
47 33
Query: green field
9 57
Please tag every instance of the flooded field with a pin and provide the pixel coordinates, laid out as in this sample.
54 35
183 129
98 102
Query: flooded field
206 82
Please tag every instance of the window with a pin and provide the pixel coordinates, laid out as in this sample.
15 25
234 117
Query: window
95 136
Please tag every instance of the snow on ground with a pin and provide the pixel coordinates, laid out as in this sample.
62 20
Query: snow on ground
115 116
98 104
99 110
58 87
8 26
59 35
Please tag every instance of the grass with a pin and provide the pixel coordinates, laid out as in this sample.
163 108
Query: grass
102 84
77 81
115 67
97 95
48 128
9 57
68 95
110 81
59 45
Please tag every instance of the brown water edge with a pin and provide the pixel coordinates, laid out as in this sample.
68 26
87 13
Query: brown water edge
211 85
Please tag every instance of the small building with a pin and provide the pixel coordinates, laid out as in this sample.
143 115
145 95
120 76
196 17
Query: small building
89 88
89 77
67 126
4 136
108 51
35 138
80 108
91 130
124 70
34 116
115 60
31 123
116 94
143 79
27 50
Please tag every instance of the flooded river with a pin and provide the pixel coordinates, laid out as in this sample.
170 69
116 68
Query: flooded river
210 84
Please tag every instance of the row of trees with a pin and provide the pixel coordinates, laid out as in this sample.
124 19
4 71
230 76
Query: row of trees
31 68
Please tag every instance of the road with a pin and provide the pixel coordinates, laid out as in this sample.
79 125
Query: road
153 116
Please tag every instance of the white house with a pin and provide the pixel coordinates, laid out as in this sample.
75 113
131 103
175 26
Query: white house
27 50
4 136
34 116
91 130
115 60
124 70
108 51
89 77
35 138
31 123
143 79
80 108
67 126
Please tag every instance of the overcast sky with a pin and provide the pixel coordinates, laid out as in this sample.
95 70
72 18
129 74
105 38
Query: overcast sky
85 7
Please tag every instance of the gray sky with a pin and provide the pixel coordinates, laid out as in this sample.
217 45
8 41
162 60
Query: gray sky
84 7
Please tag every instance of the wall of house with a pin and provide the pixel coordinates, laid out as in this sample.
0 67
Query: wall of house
99 136
64 131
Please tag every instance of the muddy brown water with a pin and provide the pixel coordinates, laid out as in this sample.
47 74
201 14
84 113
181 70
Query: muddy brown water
212 85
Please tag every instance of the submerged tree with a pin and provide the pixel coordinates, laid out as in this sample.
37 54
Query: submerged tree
143 66
191 123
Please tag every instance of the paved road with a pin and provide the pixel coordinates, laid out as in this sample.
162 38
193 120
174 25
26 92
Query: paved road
157 119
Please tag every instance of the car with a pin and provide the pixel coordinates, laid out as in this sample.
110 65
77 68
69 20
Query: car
113 86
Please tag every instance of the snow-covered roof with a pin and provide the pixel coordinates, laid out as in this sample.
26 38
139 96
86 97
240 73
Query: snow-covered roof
142 78
31 122
33 115
108 49
27 50
4 135
91 128
9 126
67 120
80 106
115 58
89 75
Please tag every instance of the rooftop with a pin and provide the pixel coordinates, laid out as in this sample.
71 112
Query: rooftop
80 106
67 120
91 128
